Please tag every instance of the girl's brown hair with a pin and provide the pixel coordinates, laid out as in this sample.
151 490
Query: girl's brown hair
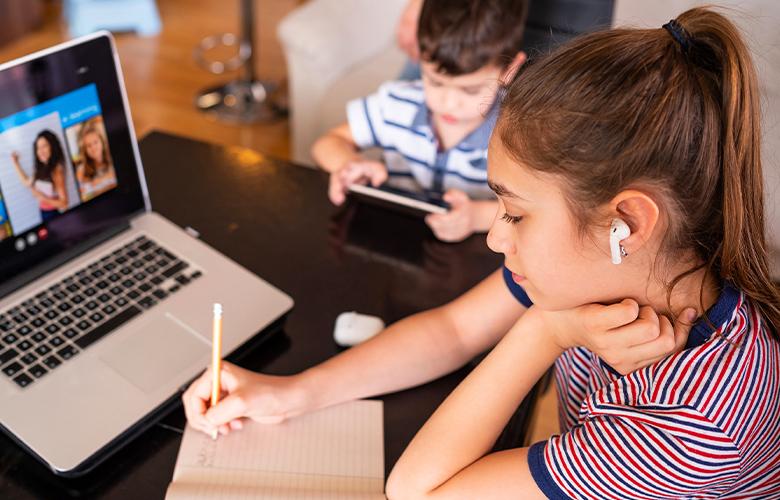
90 167
672 110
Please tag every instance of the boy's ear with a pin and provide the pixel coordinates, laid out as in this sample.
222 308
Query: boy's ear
640 212
513 67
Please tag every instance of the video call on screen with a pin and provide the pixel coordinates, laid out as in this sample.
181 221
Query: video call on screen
53 157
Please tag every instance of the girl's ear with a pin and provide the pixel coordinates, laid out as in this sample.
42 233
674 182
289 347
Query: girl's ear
514 66
640 212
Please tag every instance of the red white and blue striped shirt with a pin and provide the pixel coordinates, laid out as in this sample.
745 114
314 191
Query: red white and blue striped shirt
702 423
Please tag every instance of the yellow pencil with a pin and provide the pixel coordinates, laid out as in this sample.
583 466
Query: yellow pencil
216 359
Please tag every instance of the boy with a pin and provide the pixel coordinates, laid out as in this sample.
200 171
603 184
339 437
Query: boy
434 132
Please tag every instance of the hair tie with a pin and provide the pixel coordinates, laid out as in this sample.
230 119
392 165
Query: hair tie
679 34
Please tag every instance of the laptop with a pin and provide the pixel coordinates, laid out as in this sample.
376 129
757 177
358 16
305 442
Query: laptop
105 306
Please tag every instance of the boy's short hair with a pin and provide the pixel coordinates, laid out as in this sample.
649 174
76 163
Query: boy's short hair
464 36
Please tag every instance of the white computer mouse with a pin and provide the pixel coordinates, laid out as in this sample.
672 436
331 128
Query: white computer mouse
352 328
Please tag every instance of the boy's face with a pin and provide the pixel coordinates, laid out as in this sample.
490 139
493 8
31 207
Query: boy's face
460 101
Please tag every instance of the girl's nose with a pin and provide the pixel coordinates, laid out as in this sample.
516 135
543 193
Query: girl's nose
498 239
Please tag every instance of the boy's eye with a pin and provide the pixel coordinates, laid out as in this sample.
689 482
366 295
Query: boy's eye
512 219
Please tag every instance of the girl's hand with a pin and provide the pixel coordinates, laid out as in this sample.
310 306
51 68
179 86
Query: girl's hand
355 172
245 394
15 156
457 224
624 335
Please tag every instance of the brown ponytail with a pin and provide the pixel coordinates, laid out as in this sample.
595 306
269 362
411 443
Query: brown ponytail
672 109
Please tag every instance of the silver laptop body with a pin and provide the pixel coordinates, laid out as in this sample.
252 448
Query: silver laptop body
78 410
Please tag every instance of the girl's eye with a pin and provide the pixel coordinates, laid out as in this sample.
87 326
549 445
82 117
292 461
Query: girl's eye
472 90
512 219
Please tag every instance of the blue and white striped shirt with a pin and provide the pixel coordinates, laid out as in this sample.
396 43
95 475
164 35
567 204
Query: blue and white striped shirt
397 120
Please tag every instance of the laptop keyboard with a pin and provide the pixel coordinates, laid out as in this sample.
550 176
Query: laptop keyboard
47 330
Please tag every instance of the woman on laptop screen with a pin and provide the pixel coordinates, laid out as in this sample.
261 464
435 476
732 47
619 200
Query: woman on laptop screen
47 183
95 169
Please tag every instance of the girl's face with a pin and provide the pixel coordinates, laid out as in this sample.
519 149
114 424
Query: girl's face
93 147
537 234
460 100
43 150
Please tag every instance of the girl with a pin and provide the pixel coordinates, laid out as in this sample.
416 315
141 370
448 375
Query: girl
95 173
47 183
658 128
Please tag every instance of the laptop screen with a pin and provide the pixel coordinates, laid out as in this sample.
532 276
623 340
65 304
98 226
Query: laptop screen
67 169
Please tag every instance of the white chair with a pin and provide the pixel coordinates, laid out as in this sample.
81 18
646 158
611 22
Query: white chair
336 50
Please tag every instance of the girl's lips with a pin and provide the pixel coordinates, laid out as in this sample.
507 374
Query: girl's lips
449 118
517 278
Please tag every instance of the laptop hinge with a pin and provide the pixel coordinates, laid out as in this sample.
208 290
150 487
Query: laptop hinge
62 258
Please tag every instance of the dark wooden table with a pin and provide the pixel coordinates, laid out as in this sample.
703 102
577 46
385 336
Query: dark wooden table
274 218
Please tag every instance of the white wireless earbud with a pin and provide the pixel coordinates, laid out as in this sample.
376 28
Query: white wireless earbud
618 231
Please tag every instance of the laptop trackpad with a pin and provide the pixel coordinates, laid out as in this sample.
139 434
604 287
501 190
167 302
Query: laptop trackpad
156 351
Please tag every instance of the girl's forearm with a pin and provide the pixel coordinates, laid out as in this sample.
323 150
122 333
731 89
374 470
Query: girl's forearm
465 427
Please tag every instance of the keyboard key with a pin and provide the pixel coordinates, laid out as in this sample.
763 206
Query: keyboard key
137 264
72 288
24 345
140 276
20 318
24 330
147 302
5 326
96 316
77 299
64 306
108 326
133 294
121 259
160 294
38 371
59 295
52 328
78 313
83 325
12 369
174 289
196 275
10 338
56 341
146 246
89 292
51 314
34 311
38 337
23 380
157 280
70 333
126 270
52 362
128 283
8 355
67 352
39 322
116 290
98 273
66 320
144 287
182 280
174 269
28 358
121 302
91 305
104 297
47 302
43 349
109 309
102 284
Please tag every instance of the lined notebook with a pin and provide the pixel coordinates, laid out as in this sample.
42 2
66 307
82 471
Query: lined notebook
335 453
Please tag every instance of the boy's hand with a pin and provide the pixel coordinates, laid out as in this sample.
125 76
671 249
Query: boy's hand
245 394
355 172
457 224
624 335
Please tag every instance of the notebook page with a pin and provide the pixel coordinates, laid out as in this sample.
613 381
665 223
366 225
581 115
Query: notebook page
335 450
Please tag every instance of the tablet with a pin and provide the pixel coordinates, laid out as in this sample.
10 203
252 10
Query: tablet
397 199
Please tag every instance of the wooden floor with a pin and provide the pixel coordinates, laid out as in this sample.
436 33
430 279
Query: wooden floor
161 75
162 81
